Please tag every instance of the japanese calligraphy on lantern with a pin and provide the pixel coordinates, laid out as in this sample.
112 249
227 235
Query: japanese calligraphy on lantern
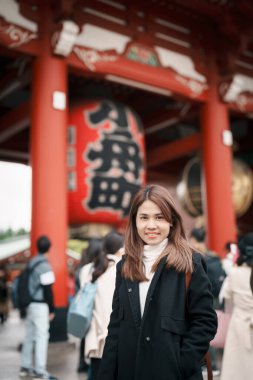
106 161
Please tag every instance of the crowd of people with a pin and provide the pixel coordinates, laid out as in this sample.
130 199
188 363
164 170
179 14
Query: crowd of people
158 293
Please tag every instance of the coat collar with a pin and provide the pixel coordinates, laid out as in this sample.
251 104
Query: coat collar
134 296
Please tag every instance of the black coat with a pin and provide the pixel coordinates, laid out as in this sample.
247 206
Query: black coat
173 335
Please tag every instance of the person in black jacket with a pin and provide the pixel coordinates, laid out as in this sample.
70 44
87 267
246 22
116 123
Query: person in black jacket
160 328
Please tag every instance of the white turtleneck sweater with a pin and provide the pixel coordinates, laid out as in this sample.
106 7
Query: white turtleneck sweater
150 255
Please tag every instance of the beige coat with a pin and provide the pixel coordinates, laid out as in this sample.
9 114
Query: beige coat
95 338
238 352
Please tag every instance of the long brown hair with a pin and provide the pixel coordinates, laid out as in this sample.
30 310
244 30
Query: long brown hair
178 250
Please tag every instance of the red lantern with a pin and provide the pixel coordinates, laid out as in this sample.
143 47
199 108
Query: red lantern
105 161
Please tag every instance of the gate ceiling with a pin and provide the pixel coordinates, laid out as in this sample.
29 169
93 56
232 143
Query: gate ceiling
152 55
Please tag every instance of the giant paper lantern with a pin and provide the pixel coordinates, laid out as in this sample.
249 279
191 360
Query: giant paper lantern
105 161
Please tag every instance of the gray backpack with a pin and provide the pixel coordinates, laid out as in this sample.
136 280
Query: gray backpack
81 310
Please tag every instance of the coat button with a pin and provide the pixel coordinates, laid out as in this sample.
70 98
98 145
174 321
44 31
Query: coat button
148 338
129 290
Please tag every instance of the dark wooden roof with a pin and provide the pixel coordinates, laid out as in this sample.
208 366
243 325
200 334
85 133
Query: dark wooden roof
190 27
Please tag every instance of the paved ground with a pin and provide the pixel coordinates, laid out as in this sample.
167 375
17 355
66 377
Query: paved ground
62 357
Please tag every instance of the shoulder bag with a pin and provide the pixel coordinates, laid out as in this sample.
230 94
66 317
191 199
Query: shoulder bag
81 309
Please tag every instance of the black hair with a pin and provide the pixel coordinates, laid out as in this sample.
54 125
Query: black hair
43 244
199 234
228 245
96 254
113 241
93 249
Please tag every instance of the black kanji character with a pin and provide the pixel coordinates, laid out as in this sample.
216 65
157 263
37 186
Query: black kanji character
117 154
112 193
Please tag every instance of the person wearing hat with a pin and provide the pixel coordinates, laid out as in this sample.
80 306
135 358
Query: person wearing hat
238 351
39 314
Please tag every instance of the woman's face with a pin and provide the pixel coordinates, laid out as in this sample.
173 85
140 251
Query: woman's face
151 225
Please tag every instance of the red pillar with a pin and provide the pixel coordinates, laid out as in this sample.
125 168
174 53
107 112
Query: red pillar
48 157
217 170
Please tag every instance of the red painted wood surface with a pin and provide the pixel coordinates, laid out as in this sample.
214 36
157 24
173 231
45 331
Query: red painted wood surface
48 152
217 171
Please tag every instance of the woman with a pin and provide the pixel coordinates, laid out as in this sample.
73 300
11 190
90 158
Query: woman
103 271
93 250
238 352
156 330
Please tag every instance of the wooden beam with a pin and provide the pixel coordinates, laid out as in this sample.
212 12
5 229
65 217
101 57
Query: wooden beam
156 176
246 107
14 155
19 39
122 70
173 150
12 82
14 122
63 9
170 118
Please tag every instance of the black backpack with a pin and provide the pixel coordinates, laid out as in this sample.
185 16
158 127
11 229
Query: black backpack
20 293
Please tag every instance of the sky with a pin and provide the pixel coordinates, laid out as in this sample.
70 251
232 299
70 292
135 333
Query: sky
15 196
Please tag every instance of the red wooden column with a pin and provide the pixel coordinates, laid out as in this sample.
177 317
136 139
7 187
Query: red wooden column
49 172
217 170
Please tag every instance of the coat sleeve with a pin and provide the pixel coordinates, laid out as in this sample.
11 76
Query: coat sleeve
226 289
201 316
109 363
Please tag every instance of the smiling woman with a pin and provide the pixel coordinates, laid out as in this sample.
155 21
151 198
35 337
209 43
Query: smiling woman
155 203
158 325
151 225
15 196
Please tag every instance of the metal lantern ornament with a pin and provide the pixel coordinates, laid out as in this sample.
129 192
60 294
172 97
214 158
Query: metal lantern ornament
189 187
105 161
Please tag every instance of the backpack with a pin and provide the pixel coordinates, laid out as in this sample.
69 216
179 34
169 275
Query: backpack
81 309
20 293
